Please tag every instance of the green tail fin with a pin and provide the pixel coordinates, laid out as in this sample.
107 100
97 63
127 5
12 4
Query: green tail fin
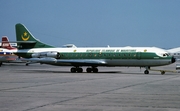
25 40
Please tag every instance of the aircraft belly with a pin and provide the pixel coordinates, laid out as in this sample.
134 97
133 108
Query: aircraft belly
117 62
136 62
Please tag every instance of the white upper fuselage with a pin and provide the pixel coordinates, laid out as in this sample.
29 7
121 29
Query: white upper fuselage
156 50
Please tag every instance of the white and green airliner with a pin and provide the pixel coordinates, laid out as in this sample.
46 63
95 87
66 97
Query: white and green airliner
92 57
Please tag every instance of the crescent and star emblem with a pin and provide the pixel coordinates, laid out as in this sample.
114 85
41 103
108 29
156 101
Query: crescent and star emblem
25 37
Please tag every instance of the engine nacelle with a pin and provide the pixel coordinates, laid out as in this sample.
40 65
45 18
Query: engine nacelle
52 54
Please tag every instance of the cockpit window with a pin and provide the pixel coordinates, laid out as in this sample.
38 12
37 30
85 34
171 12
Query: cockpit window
165 54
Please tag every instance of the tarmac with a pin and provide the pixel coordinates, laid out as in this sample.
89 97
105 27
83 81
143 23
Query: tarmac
51 88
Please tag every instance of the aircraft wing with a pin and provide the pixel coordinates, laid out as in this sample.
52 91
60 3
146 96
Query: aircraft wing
82 62
72 62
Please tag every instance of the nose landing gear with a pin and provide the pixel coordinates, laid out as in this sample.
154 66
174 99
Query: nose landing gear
147 70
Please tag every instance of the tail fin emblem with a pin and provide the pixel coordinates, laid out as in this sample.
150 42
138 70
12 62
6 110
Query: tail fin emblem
25 37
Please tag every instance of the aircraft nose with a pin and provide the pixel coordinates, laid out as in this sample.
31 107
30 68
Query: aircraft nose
173 60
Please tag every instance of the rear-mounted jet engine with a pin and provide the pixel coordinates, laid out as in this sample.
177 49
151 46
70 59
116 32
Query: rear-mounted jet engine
52 54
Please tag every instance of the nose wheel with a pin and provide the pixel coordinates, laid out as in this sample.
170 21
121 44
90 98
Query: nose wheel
146 72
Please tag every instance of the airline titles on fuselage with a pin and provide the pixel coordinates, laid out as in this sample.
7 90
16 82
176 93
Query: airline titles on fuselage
111 50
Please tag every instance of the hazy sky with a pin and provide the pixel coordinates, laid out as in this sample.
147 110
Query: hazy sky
95 22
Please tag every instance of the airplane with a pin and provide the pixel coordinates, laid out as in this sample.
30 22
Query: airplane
6 52
4 56
6 44
32 49
174 52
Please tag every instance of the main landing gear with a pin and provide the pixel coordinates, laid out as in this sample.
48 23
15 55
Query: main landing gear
76 69
93 69
88 70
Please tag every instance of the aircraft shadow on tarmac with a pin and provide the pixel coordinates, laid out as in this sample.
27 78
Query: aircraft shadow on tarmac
42 71
100 72
52 71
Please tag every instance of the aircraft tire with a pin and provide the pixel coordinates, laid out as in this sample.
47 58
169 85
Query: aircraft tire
146 72
79 70
0 64
95 70
88 70
73 70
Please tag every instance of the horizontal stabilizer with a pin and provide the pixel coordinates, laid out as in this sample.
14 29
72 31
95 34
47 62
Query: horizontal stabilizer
22 41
